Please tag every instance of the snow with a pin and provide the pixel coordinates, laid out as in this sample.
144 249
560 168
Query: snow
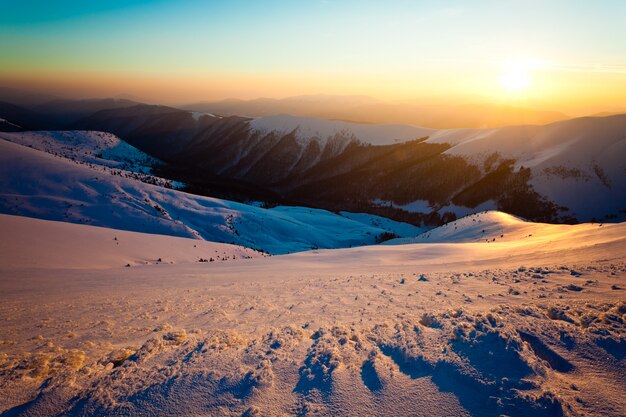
461 211
424 206
38 184
530 326
417 206
308 128
397 228
9 123
88 147
571 142
198 115
568 159
486 226
488 315
35 243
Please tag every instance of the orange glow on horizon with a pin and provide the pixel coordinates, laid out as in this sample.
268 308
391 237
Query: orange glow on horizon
574 93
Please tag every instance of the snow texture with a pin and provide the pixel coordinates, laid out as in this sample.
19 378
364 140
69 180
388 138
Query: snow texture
529 326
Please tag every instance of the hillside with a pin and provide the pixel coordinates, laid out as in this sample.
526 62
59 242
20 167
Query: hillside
88 148
34 243
422 329
48 186
579 157
533 171
495 226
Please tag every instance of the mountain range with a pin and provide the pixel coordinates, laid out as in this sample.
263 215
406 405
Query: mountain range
364 109
409 173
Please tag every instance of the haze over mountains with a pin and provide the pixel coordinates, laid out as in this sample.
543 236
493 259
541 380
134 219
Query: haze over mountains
360 109
366 109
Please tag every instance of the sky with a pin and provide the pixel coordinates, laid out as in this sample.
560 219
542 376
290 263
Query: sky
565 55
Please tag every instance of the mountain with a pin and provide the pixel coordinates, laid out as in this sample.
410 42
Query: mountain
305 105
52 114
18 118
24 98
365 109
95 187
490 227
538 172
93 149
6 126
32 110
146 300
576 163
409 173
64 112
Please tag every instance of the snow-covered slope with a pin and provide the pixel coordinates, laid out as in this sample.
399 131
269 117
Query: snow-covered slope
523 327
572 141
321 130
397 228
576 163
488 226
567 159
298 157
38 184
8 126
33 243
196 115
88 147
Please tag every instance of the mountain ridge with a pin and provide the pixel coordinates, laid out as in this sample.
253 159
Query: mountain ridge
340 165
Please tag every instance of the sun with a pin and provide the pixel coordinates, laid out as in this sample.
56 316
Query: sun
515 79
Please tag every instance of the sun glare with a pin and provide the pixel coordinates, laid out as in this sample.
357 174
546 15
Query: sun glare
515 79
